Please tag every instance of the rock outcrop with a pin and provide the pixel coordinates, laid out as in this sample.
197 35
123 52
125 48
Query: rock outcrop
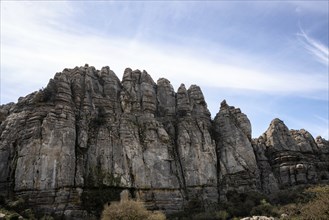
237 162
86 137
293 156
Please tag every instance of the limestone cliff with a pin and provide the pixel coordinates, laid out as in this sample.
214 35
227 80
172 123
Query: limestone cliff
77 144
237 162
293 156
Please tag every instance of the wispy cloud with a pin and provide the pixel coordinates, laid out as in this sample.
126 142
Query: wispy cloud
311 6
39 47
318 50
39 39
317 125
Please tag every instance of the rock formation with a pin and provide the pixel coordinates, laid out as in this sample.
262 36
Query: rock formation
77 144
294 157
237 162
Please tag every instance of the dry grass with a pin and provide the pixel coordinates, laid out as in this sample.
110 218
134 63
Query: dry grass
129 210
317 208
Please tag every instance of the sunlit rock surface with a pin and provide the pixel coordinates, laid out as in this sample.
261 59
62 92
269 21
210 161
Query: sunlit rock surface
77 144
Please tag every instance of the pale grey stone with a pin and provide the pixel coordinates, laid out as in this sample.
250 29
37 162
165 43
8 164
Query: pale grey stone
88 131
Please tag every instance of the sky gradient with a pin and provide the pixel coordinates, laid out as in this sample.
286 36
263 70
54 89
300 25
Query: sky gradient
268 58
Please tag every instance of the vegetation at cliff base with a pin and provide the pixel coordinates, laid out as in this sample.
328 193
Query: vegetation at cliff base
298 203
316 208
129 210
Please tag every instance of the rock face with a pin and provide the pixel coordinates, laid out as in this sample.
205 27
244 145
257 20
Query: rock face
294 157
237 162
87 137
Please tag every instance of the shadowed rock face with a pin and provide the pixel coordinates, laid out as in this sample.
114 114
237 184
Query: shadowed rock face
86 137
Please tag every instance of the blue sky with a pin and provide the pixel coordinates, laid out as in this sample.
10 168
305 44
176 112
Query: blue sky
269 58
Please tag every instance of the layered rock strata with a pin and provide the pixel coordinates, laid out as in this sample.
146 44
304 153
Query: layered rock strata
293 156
86 137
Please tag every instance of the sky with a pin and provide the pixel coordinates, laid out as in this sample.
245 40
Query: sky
269 58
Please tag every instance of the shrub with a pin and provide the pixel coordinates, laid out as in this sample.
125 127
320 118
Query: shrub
240 204
204 216
291 209
318 208
47 217
156 216
28 214
222 215
293 195
94 199
129 210
265 209
17 205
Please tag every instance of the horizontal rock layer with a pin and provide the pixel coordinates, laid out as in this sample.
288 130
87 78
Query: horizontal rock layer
86 137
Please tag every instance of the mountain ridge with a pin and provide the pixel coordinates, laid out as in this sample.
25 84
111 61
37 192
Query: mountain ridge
88 133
